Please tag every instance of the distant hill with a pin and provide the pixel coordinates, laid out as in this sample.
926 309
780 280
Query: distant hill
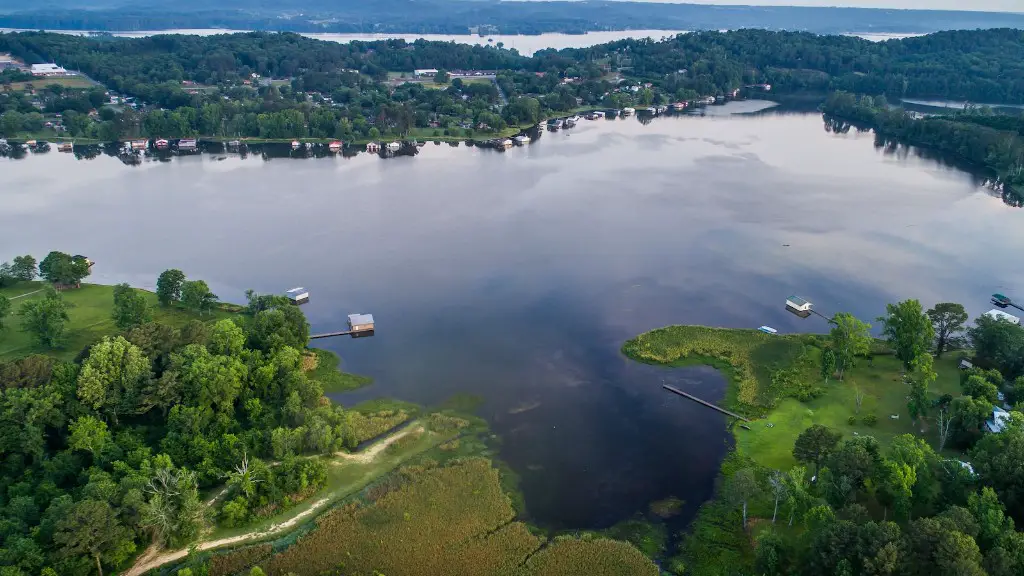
485 16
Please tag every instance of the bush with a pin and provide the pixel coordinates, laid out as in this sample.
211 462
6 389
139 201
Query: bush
871 419
851 420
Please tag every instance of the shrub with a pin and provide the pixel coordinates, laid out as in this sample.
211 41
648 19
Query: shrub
851 420
871 419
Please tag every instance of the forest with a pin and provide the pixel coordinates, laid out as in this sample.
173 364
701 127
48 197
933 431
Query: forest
483 16
879 456
269 85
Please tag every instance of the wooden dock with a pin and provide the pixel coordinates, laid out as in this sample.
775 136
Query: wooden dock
699 401
332 334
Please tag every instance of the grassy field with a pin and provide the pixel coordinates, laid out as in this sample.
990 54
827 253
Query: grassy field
90 319
66 82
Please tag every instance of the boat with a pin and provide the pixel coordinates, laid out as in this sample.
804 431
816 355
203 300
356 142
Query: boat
651 110
506 143
768 330
30 143
65 147
522 139
394 146
162 144
1001 300
139 144
296 144
234 145
627 111
334 146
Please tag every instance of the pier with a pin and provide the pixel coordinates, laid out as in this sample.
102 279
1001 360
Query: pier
332 334
699 401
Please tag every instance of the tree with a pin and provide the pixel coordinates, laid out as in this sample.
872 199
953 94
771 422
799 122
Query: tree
850 338
130 307
173 511
24 268
271 330
796 490
740 488
814 444
45 319
858 399
5 309
441 77
168 286
93 529
947 320
908 330
779 488
113 377
996 458
999 344
980 387
828 364
89 435
945 421
921 376
196 296
990 515
63 269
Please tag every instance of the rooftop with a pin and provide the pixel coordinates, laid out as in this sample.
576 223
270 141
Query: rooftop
797 300
359 319
1000 315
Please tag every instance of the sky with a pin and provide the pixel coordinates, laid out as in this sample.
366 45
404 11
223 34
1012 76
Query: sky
982 5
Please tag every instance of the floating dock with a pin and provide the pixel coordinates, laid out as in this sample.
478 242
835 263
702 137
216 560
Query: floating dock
699 401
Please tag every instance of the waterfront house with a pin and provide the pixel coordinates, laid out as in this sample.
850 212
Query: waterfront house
188 145
139 145
334 146
360 322
162 144
425 72
298 295
394 146
372 147
627 111
1000 315
522 139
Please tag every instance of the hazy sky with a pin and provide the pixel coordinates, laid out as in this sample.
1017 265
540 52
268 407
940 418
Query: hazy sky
986 5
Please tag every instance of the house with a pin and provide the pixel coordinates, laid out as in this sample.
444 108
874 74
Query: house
360 322
372 147
426 72
1000 315
998 421
799 304
47 70
188 145
298 295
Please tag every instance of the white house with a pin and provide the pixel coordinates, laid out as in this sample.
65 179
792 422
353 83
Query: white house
1000 315
998 421
297 295
426 72
47 70
799 304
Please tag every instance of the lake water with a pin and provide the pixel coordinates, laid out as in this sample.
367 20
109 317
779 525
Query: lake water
516 276
526 45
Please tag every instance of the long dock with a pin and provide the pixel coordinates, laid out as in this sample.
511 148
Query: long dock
699 401
332 334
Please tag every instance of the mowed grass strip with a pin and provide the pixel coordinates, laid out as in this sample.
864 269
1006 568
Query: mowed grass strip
89 313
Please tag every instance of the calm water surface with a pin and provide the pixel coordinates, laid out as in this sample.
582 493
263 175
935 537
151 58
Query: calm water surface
517 276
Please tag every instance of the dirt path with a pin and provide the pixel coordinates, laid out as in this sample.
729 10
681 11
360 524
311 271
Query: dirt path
26 294
152 559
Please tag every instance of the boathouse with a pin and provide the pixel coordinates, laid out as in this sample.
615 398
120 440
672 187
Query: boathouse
799 304
360 322
298 295
188 145
1000 315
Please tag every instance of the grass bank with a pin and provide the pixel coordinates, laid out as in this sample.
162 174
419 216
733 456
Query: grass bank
775 379
328 372
89 313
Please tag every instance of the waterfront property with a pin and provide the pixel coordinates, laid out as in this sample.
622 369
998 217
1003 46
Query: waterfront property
298 295
188 145
360 322
1000 315
373 147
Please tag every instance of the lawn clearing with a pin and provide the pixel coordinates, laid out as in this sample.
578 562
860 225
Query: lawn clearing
65 81
328 373
90 319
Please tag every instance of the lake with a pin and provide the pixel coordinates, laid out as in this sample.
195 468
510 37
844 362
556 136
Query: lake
526 45
515 277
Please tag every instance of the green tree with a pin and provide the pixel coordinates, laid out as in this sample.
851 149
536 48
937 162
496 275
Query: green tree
93 529
850 338
1000 344
89 434
990 515
979 387
24 268
997 458
441 77
45 318
173 510
740 488
226 338
196 296
922 375
130 307
5 309
828 363
113 377
61 268
908 330
168 286
814 444
274 329
947 320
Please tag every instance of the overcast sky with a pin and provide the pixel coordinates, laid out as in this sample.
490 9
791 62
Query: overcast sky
986 5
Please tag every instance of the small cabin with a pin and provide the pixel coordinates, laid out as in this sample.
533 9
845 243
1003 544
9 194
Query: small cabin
298 295
1000 315
360 322
373 147
334 146
188 145
966 364
394 146
799 304
140 144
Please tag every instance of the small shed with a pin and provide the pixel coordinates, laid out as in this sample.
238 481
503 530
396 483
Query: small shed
1000 315
799 304
298 295
360 322
966 364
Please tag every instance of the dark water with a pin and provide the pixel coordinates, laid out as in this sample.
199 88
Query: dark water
517 276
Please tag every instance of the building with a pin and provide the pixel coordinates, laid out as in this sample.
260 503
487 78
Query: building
297 295
188 145
999 420
426 72
799 304
1000 315
7 61
48 70
372 147
360 322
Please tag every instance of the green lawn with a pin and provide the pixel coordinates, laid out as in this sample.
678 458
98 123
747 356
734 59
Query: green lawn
884 395
67 82
90 319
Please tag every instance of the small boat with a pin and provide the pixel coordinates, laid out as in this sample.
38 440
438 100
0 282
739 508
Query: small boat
506 143
651 110
234 145
522 139
768 330
334 146
394 146
296 144
30 143
307 145
627 111
42 146
162 144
